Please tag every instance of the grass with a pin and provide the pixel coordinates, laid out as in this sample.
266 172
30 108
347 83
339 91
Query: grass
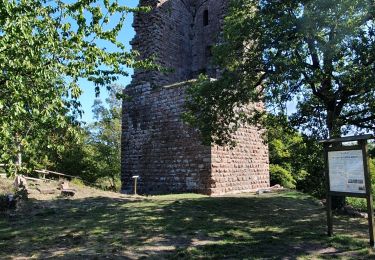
287 225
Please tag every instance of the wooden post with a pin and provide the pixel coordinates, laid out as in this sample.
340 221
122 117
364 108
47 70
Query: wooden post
329 216
370 213
370 208
328 196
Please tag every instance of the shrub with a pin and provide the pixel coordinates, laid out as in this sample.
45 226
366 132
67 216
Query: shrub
357 203
282 176
78 182
106 183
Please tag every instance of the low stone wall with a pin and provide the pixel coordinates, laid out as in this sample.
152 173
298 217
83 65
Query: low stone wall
169 157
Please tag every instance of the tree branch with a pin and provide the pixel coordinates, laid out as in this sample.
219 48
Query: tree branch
360 120
313 53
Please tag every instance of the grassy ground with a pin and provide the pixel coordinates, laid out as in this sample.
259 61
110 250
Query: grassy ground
96 225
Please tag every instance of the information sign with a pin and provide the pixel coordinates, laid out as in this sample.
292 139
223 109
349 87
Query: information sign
348 174
346 171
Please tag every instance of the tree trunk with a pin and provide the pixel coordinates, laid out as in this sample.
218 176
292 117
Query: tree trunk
19 155
338 202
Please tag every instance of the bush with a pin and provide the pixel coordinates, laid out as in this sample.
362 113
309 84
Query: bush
279 175
77 182
314 183
106 183
357 203
372 170
296 160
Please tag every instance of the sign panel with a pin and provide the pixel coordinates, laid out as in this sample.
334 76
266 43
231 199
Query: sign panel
346 171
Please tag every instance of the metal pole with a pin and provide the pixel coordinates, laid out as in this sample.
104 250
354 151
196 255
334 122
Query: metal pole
135 177
135 186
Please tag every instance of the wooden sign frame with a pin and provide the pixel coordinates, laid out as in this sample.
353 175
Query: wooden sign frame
333 145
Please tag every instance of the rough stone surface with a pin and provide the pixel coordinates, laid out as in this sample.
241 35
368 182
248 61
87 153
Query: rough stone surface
159 147
243 168
174 34
156 144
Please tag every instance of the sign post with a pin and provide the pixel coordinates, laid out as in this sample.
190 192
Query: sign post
348 174
135 177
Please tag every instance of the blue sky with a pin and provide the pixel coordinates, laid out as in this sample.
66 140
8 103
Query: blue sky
88 96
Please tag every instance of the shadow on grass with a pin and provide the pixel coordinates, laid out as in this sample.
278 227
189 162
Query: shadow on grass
171 227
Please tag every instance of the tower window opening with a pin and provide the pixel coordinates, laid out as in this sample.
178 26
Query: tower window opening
205 17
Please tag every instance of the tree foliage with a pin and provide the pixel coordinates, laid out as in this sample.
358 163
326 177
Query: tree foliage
95 156
296 160
105 138
317 53
45 48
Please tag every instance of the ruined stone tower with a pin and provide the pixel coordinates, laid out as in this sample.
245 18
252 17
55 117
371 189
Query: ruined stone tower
156 145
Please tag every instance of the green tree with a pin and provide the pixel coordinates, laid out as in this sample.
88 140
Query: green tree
285 148
95 156
75 158
105 138
45 48
317 53
295 159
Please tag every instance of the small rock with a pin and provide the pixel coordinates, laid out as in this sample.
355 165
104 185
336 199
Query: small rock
64 185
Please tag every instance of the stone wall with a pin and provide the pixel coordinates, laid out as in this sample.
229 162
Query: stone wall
243 168
206 36
175 35
158 146
169 157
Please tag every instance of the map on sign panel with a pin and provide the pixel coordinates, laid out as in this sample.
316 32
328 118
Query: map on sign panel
346 171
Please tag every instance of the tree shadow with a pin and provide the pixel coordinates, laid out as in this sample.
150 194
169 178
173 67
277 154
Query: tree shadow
205 227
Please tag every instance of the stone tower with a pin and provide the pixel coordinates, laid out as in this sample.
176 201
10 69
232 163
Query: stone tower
156 145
